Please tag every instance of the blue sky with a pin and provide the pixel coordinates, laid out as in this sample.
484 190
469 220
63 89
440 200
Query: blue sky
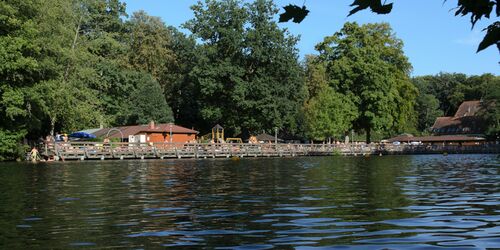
435 40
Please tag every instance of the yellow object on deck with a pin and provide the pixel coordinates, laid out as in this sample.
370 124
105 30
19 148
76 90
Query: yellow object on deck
218 133
234 140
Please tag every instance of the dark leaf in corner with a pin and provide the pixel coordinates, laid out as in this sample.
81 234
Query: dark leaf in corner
477 9
375 5
492 37
293 12
383 9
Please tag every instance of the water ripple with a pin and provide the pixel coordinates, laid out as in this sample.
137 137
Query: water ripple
393 202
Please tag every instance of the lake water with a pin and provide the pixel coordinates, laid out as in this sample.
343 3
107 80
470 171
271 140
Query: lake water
396 202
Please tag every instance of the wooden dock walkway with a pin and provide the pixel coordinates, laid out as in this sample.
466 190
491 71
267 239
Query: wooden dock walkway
100 151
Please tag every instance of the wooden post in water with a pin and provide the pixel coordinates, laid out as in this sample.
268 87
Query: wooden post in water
56 149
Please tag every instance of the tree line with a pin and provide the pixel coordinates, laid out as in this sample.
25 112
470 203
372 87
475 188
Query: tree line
77 64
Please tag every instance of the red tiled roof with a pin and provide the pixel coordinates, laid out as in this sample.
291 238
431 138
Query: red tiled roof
133 130
465 120
468 108
444 121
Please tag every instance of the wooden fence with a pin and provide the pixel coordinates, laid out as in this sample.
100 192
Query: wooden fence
97 150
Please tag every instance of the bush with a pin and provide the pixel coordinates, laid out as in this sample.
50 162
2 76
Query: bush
11 147
337 152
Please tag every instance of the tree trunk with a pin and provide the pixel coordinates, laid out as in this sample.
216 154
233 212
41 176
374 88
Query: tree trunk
73 45
368 135
52 125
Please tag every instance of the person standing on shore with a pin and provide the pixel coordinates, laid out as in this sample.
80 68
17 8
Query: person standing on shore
34 155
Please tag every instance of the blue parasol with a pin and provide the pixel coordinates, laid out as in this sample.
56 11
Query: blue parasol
81 134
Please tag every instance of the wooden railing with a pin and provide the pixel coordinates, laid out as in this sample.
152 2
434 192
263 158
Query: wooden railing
98 150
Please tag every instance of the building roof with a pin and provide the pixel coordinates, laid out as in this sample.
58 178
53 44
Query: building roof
126 131
217 126
436 138
266 137
444 121
465 120
468 108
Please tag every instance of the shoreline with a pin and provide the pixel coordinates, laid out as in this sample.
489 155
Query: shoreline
122 151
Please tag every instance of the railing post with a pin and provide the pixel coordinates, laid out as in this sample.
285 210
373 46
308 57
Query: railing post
56 150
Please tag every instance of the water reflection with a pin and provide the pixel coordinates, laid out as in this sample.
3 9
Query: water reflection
398 202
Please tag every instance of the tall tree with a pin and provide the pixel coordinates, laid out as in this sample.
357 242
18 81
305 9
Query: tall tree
219 25
146 103
167 55
247 72
68 103
20 70
183 92
328 114
427 108
367 64
316 78
64 67
275 87
491 109
150 43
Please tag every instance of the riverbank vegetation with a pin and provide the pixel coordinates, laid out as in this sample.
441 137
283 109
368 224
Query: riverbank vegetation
70 65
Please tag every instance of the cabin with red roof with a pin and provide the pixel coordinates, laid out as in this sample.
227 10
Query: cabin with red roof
466 127
150 133
465 121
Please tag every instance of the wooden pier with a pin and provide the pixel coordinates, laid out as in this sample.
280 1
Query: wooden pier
100 151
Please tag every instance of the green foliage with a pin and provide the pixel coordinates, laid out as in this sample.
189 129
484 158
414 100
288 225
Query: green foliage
72 65
336 152
182 95
444 87
367 64
147 103
441 94
451 89
427 108
247 76
491 109
10 146
316 77
20 68
150 43
328 114
64 66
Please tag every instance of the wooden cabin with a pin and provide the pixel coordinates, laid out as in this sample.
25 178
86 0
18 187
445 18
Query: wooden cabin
466 121
154 133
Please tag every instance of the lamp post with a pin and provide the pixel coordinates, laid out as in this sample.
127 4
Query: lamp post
170 125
